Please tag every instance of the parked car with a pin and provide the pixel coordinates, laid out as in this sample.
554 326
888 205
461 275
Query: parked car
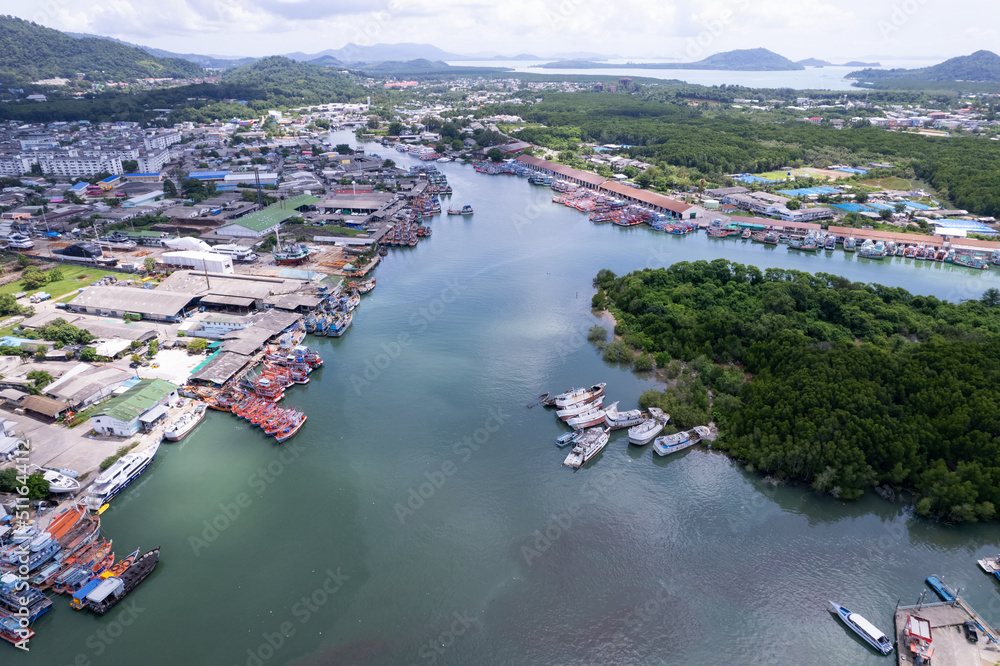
971 634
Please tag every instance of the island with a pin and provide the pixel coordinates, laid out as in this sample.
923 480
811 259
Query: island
744 60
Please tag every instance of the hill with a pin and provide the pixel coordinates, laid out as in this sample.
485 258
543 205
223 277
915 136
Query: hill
745 60
353 53
422 67
214 62
30 52
981 66
814 62
284 81
326 61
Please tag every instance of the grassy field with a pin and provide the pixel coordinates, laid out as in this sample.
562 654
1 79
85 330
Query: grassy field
891 183
74 277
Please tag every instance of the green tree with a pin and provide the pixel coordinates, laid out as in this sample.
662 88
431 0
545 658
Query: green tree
793 204
88 355
40 377
197 345
154 346
150 264
33 278
495 155
23 261
395 128
861 197
169 189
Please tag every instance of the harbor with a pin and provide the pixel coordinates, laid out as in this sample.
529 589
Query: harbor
456 335
944 633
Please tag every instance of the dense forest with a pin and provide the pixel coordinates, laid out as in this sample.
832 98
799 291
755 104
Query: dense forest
30 52
980 66
964 169
272 83
851 386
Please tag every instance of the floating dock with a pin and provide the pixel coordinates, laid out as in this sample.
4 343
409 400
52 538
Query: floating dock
950 644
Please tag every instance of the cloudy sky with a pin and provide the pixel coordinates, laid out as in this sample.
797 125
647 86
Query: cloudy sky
678 29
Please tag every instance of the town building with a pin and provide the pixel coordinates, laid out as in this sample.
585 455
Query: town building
140 407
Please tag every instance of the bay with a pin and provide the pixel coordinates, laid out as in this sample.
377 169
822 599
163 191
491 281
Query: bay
422 515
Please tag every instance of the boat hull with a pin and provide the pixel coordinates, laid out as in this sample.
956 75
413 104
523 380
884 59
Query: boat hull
857 624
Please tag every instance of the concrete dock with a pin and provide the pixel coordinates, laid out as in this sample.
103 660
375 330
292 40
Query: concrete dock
950 644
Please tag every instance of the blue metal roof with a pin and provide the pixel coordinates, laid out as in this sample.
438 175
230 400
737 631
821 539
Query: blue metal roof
110 179
967 225
133 175
806 191
208 175
79 187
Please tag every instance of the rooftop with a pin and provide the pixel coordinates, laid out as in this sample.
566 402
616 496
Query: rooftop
131 404
275 213
143 301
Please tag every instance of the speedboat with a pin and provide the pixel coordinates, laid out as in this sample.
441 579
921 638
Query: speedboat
588 446
58 482
862 627
673 443
617 420
645 432
567 438
580 408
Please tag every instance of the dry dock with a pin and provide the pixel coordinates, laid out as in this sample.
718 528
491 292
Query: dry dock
950 644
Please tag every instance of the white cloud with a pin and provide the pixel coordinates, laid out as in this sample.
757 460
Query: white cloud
632 28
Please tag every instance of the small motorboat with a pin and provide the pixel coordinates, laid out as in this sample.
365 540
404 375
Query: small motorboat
58 481
568 438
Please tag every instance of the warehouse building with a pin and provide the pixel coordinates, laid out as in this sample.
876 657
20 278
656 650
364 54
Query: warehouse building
119 301
139 408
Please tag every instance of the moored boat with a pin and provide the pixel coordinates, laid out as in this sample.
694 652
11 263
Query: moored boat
590 418
587 446
185 424
862 627
617 420
946 593
119 476
646 432
990 565
580 408
568 438
578 395
12 631
674 443
110 591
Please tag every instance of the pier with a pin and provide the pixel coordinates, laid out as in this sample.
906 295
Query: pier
949 641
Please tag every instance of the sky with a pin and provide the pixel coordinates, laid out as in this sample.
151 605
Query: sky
683 30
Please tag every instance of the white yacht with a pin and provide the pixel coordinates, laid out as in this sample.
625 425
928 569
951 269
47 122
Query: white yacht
579 408
862 627
587 446
118 477
58 482
645 432
673 443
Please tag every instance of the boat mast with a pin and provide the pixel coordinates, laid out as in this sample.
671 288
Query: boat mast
260 206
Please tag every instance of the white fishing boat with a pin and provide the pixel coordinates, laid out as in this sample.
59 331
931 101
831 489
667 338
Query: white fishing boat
58 482
118 477
184 424
990 565
646 432
580 408
587 446
617 420
578 395
674 443
589 418
862 627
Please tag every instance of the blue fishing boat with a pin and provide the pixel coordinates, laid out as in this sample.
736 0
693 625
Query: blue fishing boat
943 591
862 627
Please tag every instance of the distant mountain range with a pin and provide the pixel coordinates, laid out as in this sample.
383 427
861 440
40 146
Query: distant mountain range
816 62
211 61
30 52
981 66
750 60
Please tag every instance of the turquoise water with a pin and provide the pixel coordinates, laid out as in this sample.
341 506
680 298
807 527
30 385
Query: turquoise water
422 515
